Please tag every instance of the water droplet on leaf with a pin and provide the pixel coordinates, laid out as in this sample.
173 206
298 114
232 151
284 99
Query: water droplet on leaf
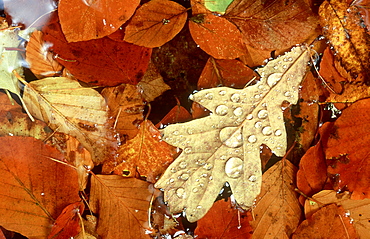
238 111
252 139
234 167
267 130
222 110
273 79
180 192
235 98
262 114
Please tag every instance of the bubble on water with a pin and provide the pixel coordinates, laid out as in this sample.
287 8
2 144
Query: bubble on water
273 79
262 114
278 132
252 139
267 130
180 192
234 167
222 110
238 111
235 98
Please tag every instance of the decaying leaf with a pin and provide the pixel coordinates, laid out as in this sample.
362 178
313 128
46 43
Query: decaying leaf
122 205
225 146
277 212
72 109
34 188
155 23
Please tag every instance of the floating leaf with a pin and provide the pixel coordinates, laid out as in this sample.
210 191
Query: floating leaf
122 205
277 212
273 25
225 146
35 189
217 5
155 23
228 224
88 19
146 154
72 109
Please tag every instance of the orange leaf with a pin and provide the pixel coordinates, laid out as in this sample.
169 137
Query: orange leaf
155 23
177 114
328 222
67 224
87 19
273 25
146 153
122 205
34 187
217 36
222 221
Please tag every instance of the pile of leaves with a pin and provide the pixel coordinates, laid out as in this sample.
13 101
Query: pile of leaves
185 119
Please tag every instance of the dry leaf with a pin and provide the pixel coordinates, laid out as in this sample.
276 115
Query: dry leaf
87 19
155 23
277 211
146 154
72 109
34 188
225 146
122 205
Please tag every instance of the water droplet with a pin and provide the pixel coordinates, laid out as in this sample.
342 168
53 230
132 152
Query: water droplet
252 139
267 130
278 132
285 66
180 192
238 111
195 190
273 79
290 59
222 92
258 125
187 150
201 162
204 175
262 114
175 132
257 96
235 98
223 157
252 178
287 94
185 176
171 180
183 164
231 137
191 97
249 117
209 96
190 131
222 110
234 167
208 166
173 170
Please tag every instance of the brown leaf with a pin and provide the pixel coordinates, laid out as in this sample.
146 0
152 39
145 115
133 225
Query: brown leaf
329 222
223 221
155 23
176 115
225 146
146 153
277 211
273 25
342 26
122 205
34 187
86 20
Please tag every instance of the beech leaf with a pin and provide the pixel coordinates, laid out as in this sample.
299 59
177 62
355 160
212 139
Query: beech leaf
72 109
225 146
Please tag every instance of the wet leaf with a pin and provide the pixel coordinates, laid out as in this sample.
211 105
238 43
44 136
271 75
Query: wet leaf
176 115
146 154
228 225
225 146
72 109
273 25
155 23
277 212
328 222
216 36
34 187
122 205
217 5
342 26
89 19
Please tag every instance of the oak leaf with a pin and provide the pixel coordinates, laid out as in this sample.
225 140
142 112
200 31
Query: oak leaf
155 23
87 19
72 109
36 187
225 146
122 205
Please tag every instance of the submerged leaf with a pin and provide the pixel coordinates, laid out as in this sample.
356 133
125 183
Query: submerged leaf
225 146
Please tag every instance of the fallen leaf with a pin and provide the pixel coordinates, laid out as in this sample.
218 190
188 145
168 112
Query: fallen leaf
41 61
146 154
346 150
328 222
122 62
273 25
277 211
35 189
126 107
67 224
219 6
356 210
229 224
216 36
152 84
177 114
225 146
342 26
155 23
122 205
72 109
351 93
87 19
